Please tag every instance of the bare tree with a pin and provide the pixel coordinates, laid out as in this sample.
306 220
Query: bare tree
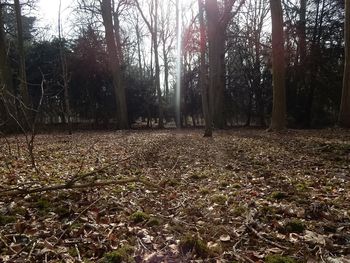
65 77
344 115
278 120
115 65
203 73
21 55
153 29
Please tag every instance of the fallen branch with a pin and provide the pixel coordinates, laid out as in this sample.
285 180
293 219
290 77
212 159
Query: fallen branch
69 186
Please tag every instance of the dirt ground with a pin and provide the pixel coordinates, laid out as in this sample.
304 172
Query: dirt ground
241 196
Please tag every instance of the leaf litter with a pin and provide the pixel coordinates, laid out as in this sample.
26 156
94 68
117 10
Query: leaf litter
242 196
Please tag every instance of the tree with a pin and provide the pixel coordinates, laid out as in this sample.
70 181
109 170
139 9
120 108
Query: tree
203 73
21 54
344 114
5 72
114 64
278 119
153 29
217 24
64 72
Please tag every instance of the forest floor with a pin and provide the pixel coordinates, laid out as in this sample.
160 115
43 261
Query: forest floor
241 196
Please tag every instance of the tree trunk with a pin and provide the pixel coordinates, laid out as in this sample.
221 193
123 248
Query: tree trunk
212 23
278 120
156 62
208 132
114 65
21 56
344 114
5 72
64 74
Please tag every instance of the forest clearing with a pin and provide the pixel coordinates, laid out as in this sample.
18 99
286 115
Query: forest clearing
244 195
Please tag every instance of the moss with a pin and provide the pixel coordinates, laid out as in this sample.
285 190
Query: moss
279 259
4 220
301 187
19 211
219 199
279 195
73 252
173 182
204 191
198 176
237 186
294 226
43 204
121 255
139 217
153 222
190 243
62 211
224 184
238 210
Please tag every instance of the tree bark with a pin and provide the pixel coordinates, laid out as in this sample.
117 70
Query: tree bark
21 54
114 65
64 73
208 132
5 72
212 11
278 120
344 114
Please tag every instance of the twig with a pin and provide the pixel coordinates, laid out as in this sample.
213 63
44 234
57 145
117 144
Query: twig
5 243
78 252
75 219
31 251
102 169
265 239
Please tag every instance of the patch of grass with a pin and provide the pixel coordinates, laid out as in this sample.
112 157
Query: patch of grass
191 243
279 259
139 217
219 199
4 220
278 195
121 255
294 226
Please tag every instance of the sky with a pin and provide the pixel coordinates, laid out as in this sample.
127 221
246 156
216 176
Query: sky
47 13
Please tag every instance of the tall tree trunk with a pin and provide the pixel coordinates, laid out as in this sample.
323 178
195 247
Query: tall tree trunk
5 72
114 65
21 55
344 114
64 73
157 68
278 120
138 39
208 132
212 11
